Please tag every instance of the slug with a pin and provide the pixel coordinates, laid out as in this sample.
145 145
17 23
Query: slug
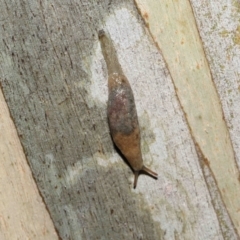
121 111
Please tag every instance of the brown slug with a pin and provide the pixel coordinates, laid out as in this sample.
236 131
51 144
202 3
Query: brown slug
121 111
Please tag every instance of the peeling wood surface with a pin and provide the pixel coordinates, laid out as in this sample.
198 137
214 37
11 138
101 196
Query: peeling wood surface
219 29
54 80
22 212
182 49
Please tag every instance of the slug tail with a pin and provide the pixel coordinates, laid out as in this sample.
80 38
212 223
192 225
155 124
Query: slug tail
149 172
136 174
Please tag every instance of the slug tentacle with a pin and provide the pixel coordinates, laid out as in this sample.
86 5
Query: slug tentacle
149 172
121 111
136 174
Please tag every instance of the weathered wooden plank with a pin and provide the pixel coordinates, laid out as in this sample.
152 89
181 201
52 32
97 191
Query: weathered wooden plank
55 82
173 28
22 212
218 24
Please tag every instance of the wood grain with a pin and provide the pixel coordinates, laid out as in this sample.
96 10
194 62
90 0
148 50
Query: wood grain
23 214
54 80
179 41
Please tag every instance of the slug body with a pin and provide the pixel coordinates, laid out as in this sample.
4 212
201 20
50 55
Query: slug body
121 111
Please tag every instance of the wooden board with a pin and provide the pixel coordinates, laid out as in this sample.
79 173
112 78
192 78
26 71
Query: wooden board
22 212
182 49
54 79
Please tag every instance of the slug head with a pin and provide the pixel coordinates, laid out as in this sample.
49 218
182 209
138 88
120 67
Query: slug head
144 170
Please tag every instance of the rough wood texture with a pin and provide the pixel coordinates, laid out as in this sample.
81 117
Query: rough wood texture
54 80
197 94
219 29
22 212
